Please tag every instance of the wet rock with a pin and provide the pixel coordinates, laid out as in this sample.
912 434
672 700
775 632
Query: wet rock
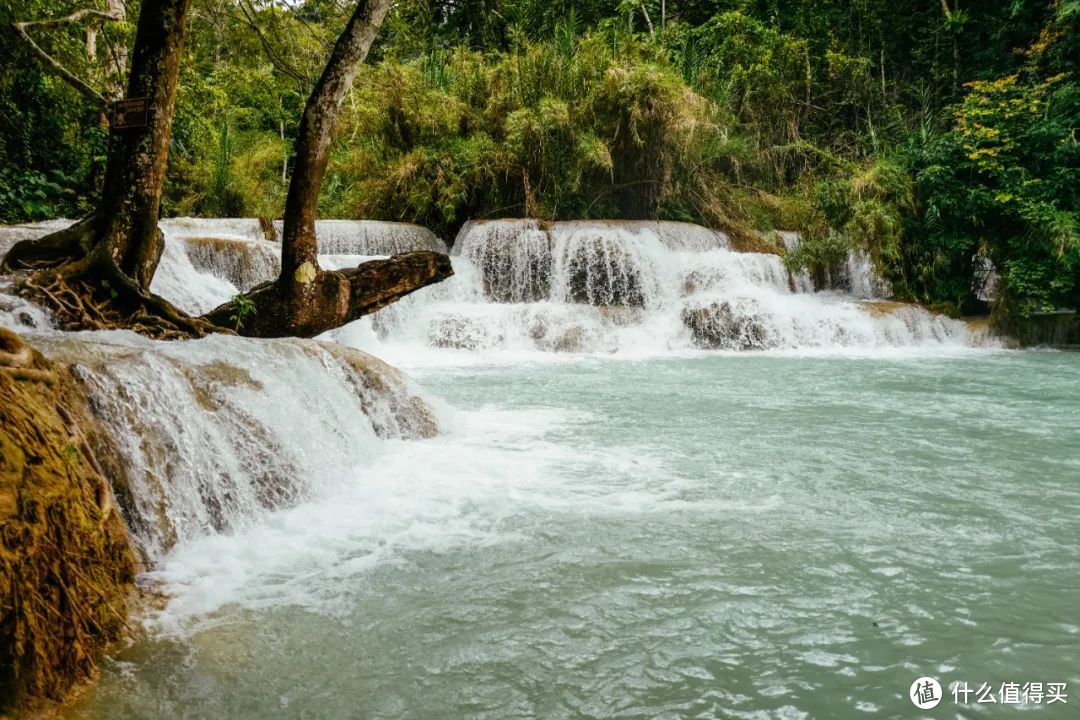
601 271
621 315
721 326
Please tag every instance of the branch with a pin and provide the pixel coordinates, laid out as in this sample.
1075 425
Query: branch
70 77
275 58
264 311
69 19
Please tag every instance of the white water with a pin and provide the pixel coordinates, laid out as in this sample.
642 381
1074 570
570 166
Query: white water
701 534
371 237
636 288
213 433
216 432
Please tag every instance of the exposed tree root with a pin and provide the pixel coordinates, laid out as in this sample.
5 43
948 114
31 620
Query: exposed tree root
74 275
110 304
55 249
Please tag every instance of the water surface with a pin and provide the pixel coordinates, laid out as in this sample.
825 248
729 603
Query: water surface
728 536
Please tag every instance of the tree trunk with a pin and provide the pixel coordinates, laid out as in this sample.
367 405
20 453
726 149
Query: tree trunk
369 287
114 252
123 231
305 300
312 149
131 198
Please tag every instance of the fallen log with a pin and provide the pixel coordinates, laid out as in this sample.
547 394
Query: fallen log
313 301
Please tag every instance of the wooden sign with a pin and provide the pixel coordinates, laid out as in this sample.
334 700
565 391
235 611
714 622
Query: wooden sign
129 113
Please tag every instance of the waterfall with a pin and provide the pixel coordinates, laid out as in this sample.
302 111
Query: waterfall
987 279
855 276
862 280
211 433
579 286
370 237
16 313
640 287
214 432
513 258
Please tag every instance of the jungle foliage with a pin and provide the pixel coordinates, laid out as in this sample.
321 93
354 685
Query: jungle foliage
930 133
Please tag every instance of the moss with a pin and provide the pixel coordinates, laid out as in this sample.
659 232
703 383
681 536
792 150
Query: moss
66 563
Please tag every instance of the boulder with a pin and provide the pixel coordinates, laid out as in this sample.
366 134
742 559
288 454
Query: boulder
721 326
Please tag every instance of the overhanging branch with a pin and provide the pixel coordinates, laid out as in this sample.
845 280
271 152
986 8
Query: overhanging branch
51 24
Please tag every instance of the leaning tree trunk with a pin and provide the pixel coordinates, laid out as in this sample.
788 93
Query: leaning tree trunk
306 300
97 273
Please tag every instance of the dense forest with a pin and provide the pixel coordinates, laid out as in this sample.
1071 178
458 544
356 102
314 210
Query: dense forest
934 134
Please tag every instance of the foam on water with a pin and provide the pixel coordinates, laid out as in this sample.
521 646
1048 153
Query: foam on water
638 288
193 290
461 489
215 432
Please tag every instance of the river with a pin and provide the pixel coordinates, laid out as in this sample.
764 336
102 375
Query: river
615 522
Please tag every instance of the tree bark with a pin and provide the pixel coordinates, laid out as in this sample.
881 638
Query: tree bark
314 136
368 287
131 199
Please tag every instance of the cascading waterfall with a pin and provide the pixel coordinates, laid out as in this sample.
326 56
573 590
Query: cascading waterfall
641 287
370 237
214 432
